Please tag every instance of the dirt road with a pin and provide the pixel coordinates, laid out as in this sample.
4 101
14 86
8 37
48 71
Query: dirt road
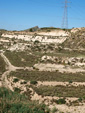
9 68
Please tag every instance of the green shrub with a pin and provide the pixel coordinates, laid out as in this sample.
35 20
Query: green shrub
17 90
70 81
80 99
33 82
15 80
31 30
36 42
61 101
24 82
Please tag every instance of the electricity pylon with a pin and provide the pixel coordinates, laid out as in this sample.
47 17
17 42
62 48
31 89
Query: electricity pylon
65 17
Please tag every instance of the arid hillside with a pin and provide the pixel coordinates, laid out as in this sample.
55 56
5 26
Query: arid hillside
76 40
42 71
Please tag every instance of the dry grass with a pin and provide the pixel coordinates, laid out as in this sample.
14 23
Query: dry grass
21 59
48 76
61 91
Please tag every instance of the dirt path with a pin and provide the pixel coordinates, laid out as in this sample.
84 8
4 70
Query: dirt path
57 67
9 68
55 83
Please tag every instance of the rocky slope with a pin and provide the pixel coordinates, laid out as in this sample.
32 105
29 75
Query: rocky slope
76 40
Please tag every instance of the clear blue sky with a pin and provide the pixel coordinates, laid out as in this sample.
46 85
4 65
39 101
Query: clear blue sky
24 14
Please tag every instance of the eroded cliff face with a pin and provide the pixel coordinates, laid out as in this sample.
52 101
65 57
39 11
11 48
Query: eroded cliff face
72 39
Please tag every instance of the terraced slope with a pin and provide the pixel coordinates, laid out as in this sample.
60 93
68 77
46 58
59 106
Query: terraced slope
35 76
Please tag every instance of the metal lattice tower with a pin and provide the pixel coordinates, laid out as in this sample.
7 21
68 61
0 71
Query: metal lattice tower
65 17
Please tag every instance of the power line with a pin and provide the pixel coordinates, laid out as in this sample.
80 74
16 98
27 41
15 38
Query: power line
65 17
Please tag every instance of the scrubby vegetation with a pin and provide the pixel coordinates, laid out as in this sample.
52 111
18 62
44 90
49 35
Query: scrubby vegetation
33 82
61 91
11 102
42 50
17 90
21 58
24 82
15 80
60 101
48 76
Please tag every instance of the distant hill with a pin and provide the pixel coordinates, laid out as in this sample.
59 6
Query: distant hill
45 29
33 29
